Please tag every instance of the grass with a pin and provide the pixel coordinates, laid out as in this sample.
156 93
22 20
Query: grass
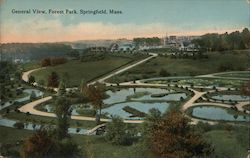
237 60
29 65
98 147
226 145
240 75
77 70
134 112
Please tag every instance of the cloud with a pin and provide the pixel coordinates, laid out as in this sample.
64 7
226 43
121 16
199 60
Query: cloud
42 30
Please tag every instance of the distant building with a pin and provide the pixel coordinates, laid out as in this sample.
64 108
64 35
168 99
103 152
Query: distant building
97 49
126 47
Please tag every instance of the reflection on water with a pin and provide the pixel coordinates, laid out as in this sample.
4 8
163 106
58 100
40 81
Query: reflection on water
217 113
232 97
30 126
29 91
143 107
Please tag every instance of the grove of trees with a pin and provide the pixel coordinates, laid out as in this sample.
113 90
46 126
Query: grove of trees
227 41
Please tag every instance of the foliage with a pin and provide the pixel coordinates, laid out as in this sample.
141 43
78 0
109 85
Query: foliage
53 79
227 41
90 57
31 79
19 125
164 73
245 89
63 113
39 145
61 89
42 144
117 132
133 111
154 41
96 94
172 136
34 51
53 61
32 96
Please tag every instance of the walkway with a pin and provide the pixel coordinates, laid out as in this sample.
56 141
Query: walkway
101 80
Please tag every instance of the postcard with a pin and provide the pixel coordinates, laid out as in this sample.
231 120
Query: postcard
125 78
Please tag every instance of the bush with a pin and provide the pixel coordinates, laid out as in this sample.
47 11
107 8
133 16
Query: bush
164 73
19 125
117 132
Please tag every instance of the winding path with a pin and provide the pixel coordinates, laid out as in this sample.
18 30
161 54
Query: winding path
191 102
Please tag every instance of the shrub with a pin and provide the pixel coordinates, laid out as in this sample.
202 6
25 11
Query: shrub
19 125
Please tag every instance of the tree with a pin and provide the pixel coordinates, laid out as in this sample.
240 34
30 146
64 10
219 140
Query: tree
117 132
172 136
39 145
245 89
45 62
95 93
83 85
61 89
53 80
63 113
32 96
164 73
31 79
66 78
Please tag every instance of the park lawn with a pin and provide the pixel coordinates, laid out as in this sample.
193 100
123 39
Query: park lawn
226 145
238 60
11 135
76 70
30 65
98 147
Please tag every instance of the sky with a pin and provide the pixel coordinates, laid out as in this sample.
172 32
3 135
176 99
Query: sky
139 18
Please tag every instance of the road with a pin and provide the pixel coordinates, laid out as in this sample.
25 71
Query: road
191 102
30 107
25 75
102 80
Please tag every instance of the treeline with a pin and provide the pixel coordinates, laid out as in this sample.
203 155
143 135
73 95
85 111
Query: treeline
53 61
154 41
33 51
89 57
227 41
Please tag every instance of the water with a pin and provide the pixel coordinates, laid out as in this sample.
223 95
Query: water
30 126
121 95
29 91
143 107
169 97
75 107
217 113
232 97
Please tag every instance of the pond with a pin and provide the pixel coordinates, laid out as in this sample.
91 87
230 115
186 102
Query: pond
28 91
30 126
123 94
231 97
75 107
117 109
217 113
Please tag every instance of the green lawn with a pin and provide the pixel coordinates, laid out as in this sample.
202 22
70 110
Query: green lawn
240 75
76 70
30 65
236 60
98 147
226 144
